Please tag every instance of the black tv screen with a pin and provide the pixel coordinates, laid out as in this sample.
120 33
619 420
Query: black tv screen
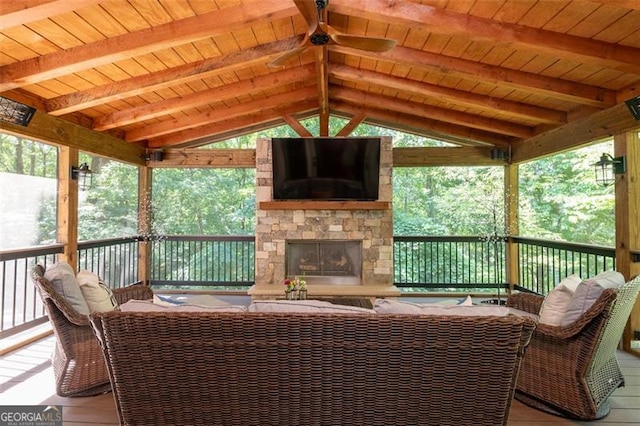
325 168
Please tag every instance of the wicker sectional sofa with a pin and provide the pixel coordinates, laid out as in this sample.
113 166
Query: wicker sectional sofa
269 368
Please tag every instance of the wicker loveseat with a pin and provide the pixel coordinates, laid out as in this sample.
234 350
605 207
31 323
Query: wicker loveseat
572 370
312 369
78 363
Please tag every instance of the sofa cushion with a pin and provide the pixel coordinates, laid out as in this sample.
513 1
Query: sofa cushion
588 292
188 299
64 282
97 294
149 306
388 306
557 302
305 306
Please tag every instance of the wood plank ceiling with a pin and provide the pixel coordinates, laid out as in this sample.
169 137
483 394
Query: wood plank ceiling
185 73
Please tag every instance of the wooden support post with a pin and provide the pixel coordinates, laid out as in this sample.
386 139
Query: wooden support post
627 213
511 202
144 223
68 206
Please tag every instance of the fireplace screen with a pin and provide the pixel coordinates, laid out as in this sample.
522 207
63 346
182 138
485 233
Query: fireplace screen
324 258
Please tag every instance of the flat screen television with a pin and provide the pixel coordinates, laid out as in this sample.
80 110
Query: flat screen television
325 168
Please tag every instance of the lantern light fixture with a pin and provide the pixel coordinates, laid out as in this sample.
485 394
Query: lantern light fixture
83 175
608 167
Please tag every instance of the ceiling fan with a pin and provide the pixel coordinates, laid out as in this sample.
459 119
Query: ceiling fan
320 33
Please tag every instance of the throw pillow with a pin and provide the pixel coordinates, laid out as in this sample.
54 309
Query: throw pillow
557 302
148 306
63 280
305 306
588 293
97 294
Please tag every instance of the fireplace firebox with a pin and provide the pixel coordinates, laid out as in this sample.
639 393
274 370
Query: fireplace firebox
325 261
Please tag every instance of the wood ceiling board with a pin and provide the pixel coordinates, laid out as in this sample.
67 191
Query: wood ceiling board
127 16
102 21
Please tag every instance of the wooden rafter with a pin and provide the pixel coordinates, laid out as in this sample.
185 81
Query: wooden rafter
408 14
20 12
105 51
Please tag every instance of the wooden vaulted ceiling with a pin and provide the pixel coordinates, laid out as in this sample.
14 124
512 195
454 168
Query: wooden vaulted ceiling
185 73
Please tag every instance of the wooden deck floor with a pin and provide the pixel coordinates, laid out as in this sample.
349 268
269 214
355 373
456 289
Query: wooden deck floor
27 378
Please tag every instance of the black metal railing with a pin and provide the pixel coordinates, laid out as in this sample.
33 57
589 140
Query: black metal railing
449 264
20 302
543 263
114 260
187 262
431 264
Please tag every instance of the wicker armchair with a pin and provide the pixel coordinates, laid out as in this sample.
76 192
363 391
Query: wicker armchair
571 371
78 361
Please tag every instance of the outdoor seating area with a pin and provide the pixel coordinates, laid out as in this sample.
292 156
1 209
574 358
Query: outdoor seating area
321 212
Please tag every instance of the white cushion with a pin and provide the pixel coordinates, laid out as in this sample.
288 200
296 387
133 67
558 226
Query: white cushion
97 294
63 280
588 293
305 306
148 306
387 306
557 302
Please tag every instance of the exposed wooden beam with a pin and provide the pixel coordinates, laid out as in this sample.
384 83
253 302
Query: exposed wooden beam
217 94
164 36
504 77
433 112
296 126
47 128
323 89
188 158
607 123
216 115
209 132
426 127
435 156
20 12
409 14
459 97
351 125
182 74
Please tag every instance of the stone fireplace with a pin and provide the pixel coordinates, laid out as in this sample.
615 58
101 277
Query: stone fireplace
344 248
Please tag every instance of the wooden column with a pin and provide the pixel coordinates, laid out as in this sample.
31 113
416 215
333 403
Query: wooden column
511 199
144 223
627 213
68 206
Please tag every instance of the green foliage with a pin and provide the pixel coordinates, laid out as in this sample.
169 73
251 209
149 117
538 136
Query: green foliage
25 157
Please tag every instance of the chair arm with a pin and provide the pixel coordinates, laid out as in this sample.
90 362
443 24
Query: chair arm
526 302
135 291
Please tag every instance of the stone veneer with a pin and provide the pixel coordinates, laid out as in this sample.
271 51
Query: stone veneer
274 226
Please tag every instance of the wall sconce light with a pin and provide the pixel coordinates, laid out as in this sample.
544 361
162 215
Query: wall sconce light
15 113
83 175
608 167
153 156
634 107
500 154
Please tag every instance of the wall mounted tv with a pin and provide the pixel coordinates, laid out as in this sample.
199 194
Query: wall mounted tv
325 168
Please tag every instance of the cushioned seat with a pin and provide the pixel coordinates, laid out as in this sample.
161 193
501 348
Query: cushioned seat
571 370
78 361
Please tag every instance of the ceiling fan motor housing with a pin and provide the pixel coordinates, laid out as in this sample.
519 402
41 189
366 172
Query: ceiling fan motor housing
319 39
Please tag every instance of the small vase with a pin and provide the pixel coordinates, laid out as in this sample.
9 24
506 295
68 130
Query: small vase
302 294
291 294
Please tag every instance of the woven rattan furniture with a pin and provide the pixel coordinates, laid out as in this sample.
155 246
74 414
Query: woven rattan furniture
571 371
312 369
78 363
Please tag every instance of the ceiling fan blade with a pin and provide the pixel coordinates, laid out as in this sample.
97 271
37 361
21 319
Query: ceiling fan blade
286 56
308 10
371 44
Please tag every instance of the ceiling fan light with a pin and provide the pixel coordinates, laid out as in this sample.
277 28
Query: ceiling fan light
319 39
